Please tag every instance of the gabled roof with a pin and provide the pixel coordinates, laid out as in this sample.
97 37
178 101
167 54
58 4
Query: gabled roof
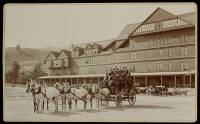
189 17
67 53
158 15
89 46
159 12
97 45
103 43
78 48
127 30
56 54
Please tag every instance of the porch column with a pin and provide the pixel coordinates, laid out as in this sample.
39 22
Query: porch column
77 81
183 81
134 78
98 80
145 81
90 80
161 80
175 81
71 81
190 80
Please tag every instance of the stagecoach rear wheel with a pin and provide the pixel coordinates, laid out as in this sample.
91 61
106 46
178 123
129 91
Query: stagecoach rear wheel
118 100
105 100
132 98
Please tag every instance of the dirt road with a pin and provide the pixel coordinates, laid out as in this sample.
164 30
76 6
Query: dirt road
18 106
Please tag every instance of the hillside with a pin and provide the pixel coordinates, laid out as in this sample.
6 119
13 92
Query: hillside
26 57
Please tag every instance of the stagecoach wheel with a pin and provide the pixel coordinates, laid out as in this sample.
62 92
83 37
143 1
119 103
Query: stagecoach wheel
132 98
104 101
118 100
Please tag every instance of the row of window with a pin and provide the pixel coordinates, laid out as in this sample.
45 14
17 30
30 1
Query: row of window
57 63
184 52
164 41
90 60
91 51
159 68
161 24
133 55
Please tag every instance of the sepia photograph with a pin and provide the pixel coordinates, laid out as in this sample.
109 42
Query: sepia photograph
100 62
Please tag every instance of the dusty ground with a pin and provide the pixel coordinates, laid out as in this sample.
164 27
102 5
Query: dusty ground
18 106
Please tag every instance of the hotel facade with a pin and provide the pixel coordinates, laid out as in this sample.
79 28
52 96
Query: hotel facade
159 50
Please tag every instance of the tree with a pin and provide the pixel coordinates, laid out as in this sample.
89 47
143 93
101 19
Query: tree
37 71
18 47
13 75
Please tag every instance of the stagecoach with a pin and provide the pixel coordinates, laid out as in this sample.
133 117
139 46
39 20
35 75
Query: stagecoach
122 90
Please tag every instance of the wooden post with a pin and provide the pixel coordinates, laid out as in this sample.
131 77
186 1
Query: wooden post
161 80
90 80
190 80
145 81
175 81
134 78
183 81
98 80
71 81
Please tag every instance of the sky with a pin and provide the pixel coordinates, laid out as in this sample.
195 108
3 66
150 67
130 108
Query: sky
59 25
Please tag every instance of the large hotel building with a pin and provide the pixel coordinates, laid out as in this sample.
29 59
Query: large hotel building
158 50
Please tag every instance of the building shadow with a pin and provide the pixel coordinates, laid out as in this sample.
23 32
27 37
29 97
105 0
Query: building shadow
62 113
91 110
125 107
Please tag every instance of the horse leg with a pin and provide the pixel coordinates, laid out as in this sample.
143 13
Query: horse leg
65 103
75 104
47 104
43 105
85 103
90 103
62 102
56 104
34 105
70 104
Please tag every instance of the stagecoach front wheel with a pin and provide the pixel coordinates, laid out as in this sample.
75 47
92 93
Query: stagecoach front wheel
132 98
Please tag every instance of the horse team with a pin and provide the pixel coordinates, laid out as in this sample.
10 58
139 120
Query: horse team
42 95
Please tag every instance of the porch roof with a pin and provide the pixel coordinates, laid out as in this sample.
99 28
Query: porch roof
132 74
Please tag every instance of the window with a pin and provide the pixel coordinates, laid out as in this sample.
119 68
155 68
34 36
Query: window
170 66
146 27
158 41
160 52
134 44
184 66
182 51
158 25
149 68
170 52
159 67
133 55
132 69
150 43
186 51
107 69
86 61
183 38
149 54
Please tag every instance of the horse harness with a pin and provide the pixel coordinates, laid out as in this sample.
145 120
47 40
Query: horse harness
74 95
